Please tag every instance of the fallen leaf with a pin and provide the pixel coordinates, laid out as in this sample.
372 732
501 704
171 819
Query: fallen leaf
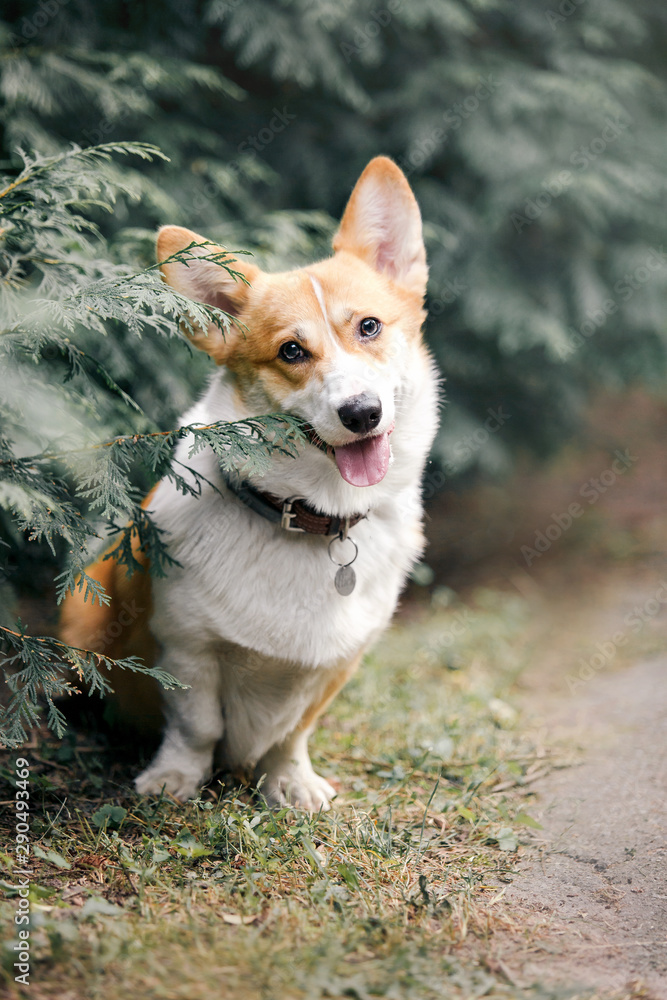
55 859
108 815
236 918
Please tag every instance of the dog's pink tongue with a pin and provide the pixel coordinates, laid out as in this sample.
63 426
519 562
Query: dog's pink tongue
364 463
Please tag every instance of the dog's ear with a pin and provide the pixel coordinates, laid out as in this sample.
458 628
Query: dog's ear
382 225
205 281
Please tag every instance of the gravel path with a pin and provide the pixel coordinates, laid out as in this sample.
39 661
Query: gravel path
591 895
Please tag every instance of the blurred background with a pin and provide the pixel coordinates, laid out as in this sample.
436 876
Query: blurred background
533 134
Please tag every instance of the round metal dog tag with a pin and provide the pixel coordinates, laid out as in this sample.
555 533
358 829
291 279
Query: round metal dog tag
345 580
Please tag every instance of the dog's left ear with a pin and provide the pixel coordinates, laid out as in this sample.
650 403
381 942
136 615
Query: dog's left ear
205 281
382 225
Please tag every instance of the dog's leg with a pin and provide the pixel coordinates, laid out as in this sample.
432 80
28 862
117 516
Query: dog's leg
289 774
194 726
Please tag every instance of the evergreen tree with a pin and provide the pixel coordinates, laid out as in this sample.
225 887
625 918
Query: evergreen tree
531 130
60 483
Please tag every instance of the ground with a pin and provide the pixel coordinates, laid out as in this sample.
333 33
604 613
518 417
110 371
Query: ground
432 876
372 899
596 876
499 828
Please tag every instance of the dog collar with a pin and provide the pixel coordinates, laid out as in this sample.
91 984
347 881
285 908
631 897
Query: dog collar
293 514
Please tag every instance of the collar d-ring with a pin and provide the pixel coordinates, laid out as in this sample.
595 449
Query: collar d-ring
340 538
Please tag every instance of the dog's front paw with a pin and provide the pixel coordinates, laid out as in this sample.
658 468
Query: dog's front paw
181 785
298 787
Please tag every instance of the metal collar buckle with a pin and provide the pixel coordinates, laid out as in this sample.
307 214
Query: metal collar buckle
288 515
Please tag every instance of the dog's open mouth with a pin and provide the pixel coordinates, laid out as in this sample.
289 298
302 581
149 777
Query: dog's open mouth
360 463
365 462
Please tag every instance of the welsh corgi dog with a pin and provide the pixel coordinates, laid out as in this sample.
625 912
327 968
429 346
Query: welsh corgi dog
282 581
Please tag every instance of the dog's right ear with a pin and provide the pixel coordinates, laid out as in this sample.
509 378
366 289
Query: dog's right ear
382 225
205 281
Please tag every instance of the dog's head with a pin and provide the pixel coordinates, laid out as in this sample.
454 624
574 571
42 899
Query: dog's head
329 342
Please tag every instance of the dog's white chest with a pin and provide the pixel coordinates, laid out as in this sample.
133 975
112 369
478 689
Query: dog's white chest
245 580
249 618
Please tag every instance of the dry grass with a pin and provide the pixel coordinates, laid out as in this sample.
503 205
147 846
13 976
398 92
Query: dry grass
392 894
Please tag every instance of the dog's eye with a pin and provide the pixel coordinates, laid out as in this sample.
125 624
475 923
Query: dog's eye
291 351
370 327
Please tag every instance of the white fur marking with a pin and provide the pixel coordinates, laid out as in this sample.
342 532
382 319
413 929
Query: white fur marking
317 288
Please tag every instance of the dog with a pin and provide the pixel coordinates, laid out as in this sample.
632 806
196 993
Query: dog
282 581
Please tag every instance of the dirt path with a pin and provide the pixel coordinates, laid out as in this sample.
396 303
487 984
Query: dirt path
592 889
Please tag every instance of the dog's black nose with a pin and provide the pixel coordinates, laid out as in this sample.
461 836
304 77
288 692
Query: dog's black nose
361 414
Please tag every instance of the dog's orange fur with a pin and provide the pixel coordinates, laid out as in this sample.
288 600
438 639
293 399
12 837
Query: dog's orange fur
340 679
282 302
274 311
136 697
89 625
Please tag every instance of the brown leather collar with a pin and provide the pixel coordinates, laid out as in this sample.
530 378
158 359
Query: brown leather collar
292 514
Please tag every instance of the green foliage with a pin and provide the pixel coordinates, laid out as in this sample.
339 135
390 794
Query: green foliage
533 136
108 815
62 293
39 667
532 132
411 862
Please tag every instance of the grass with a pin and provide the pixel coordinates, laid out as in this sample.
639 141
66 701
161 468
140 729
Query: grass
392 894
